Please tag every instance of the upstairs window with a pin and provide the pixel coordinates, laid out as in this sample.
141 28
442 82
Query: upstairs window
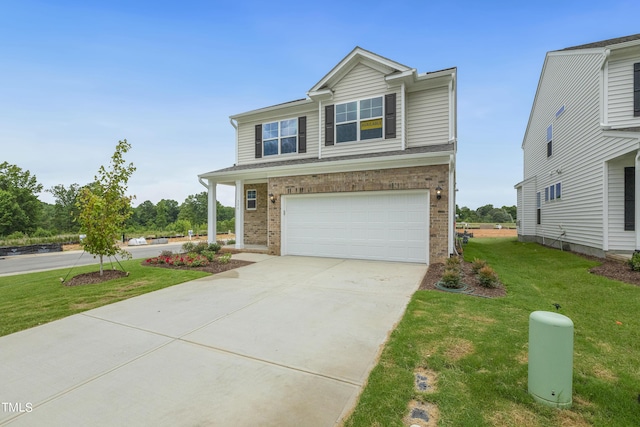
549 140
359 120
280 137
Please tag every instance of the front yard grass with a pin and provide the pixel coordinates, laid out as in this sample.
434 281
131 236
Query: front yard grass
32 299
478 347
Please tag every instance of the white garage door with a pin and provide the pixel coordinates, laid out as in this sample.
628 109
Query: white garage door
389 226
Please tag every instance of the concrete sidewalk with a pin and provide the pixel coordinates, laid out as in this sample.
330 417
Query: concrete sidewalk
287 341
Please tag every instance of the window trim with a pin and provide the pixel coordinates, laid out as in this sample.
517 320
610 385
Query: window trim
550 140
359 120
279 138
254 199
551 192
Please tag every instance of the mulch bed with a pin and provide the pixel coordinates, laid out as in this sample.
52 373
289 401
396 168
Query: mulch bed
94 277
609 268
434 274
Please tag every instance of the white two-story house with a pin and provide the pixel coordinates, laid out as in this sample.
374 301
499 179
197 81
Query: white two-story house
581 150
363 167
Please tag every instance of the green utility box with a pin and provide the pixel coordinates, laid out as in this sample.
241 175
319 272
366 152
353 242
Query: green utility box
551 358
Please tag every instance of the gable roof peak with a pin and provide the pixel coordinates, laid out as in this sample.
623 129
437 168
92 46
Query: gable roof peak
356 56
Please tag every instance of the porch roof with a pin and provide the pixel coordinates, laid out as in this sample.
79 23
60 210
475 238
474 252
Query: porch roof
315 165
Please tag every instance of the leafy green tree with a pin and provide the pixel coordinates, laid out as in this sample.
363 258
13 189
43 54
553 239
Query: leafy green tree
166 213
194 209
145 214
499 215
104 207
65 207
19 204
483 213
511 210
224 213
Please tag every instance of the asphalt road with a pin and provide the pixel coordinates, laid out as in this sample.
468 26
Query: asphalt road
18 264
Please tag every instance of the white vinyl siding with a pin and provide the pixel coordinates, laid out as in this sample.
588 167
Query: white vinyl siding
359 83
428 117
246 136
527 209
620 92
573 80
619 239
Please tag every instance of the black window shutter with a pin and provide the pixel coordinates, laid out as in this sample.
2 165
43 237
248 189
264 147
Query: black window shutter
328 125
630 198
258 141
302 134
636 89
390 116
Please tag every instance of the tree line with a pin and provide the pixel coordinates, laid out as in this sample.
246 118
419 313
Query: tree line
23 214
487 213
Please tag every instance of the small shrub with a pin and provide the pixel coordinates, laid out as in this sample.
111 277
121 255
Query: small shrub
488 277
634 262
453 263
200 247
231 242
16 235
214 247
188 247
224 258
451 278
210 255
477 264
166 253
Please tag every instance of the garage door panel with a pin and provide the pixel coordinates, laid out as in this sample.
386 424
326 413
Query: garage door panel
367 225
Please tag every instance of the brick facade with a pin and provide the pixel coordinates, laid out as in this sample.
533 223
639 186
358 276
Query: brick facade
255 221
412 178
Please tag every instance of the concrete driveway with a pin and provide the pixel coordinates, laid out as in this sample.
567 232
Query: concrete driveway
287 341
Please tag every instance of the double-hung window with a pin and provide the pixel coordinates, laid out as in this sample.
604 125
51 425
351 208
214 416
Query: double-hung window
280 137
550 141
359 120
252 200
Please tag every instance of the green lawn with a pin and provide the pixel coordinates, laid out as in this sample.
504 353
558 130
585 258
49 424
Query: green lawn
29 300
478 347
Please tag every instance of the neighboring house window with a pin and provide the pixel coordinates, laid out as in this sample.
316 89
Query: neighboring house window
280 137
630 198
538 208
636 89
552 192
549 140
252 199
559 112
359 120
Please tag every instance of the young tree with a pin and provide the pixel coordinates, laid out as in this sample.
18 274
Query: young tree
104 207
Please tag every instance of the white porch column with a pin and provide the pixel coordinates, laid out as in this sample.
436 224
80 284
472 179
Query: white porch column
211 212
240 214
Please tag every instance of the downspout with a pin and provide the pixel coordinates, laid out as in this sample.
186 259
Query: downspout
452 204
235 126
637 202
402 116
604 89
320 129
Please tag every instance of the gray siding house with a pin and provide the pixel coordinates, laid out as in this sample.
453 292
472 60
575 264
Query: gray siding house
581 150
362 167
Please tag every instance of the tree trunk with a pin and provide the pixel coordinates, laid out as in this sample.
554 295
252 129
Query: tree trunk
101 269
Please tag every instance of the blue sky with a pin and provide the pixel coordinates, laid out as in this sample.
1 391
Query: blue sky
77 76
